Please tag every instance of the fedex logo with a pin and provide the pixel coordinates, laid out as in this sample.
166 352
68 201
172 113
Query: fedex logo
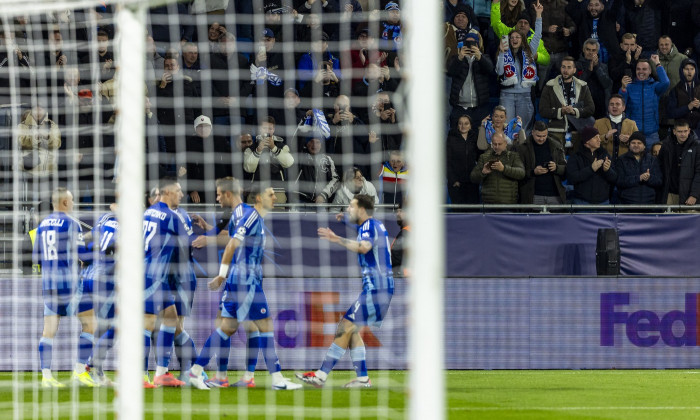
645 328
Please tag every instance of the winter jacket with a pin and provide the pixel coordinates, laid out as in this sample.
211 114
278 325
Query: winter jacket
689 179
309 64
461 156
499 187
39 143
599 83
632 189
672 64
392 184
603 125
591 186
317 178
501 29
553 99
555 14
645 21
642 99
607 32
678 98
482 71
344 195
527 155
268 165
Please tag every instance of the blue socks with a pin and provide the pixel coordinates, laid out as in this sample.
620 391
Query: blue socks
45 352
217 342
166 336
267 342
253 350
103 345
358 356
184 350
85 347
335 352
147 346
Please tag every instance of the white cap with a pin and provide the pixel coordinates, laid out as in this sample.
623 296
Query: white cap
202 119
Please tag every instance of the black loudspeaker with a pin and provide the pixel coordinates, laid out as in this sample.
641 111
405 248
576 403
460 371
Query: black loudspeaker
607 252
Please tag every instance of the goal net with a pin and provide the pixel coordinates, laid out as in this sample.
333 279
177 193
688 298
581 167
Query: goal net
110 108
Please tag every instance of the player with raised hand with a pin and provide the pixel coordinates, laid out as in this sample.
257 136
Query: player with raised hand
243 298
59 247
228 194
370 308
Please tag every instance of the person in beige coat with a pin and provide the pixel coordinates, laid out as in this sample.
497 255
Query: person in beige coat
615 129
39 139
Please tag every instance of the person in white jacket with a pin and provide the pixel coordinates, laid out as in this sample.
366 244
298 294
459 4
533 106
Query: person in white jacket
269 158
354 183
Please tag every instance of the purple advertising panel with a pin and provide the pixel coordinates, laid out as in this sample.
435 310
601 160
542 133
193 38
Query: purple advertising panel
491 323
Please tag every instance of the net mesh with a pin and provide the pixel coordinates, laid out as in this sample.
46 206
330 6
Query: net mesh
301 96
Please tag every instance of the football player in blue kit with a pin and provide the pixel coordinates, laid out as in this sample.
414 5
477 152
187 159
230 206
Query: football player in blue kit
60 247
243 298
101 274
168 274
370 308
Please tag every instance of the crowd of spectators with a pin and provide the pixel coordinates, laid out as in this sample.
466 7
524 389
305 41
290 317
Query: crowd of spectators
588 102
541 95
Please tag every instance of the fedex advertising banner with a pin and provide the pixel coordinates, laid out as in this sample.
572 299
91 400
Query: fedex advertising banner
491 323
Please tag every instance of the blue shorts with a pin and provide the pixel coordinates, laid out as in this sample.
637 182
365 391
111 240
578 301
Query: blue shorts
244 302
58 292
158 295
83 296
185 295
57 303
370 308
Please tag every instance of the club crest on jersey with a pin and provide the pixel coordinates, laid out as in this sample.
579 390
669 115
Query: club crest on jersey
241 231
263 311
365 235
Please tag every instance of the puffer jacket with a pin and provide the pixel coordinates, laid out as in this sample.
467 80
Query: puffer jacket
499 187
689 179
632 190
589 185
39 143
642 99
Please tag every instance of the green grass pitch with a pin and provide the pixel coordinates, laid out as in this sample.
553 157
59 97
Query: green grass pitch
500 394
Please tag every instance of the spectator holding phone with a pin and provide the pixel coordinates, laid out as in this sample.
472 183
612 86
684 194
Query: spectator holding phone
318 60
471 71
498 171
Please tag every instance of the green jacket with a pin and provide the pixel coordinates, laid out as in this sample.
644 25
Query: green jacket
499 187
501 29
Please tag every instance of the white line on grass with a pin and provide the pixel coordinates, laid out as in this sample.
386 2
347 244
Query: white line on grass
638 408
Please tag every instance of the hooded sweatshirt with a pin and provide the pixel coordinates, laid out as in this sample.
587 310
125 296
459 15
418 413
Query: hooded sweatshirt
682 94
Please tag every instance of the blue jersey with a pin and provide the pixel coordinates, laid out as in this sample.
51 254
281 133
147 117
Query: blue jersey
375 264
249 229
58 247
166 235
104 236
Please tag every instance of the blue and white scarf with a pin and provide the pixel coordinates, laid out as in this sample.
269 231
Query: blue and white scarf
510 76
260 74
321 123
512 129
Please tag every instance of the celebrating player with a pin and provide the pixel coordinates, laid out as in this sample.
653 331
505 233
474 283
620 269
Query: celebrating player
243 298
59 245
166 245
101 274
372 247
